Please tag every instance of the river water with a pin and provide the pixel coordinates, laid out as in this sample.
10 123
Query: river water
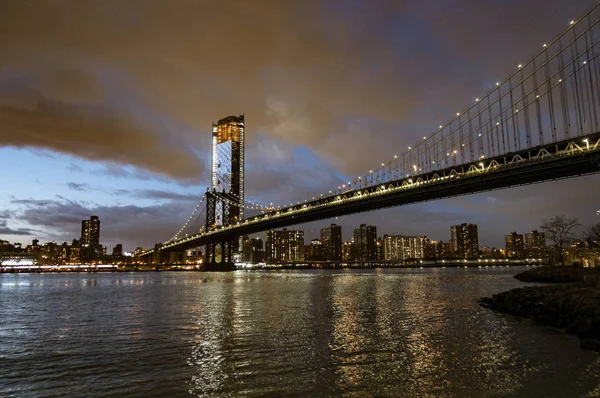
398 332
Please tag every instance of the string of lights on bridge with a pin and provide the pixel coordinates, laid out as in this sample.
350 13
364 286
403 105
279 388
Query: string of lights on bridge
368 179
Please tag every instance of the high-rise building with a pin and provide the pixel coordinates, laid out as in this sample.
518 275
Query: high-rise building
429 248
348 251
535 244
285 245
227 171
331 241
403 247
117 251
90 232
380 249
90 240
315 251
465 242
253 250
365 241
514 245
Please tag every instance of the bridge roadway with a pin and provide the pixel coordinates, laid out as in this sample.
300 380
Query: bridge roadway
569 158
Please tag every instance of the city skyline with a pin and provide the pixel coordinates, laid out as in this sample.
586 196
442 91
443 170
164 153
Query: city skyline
144 181
325 234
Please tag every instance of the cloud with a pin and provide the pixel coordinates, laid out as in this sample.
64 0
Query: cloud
81 187
5 230
166 195
131 225
93 131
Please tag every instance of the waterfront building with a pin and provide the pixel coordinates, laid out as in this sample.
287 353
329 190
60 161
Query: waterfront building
117 251
464 240
315 251
514 245
535 244
331 240
348 251
227 171
365 241
429 248
380 250
400 247
90 240
90 232
284 245
253 250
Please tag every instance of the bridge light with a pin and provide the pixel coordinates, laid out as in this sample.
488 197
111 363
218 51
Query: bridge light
559 80
395 156
584 62
359 177
424 138
497 83
537 96
480 134
544 45
520 66
497 123
572 22
409 148
457 113
476 99
382 164
587 144
410 180
370 171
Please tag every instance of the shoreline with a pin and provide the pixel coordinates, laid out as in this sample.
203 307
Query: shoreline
181 268
569 300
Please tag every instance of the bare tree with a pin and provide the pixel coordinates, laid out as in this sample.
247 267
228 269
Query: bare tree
558 230
592 237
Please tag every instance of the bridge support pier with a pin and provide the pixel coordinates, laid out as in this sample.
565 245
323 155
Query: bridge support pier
219 255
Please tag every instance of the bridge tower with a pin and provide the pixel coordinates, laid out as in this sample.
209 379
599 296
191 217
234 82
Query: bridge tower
225 199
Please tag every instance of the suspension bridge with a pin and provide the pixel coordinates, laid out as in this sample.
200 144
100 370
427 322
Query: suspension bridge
538 124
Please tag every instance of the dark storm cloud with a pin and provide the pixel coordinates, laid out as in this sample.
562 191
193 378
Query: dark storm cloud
92 131
82 77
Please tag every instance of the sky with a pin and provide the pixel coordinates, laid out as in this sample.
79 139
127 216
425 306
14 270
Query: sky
106 107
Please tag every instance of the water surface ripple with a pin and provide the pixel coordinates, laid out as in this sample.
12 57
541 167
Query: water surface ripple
402 333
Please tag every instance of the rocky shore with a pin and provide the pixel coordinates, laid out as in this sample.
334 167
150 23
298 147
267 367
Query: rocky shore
574 306
557 274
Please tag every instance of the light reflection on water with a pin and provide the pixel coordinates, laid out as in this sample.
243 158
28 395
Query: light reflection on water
404 333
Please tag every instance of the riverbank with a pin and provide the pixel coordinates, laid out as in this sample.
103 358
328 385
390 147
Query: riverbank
557 274
572 303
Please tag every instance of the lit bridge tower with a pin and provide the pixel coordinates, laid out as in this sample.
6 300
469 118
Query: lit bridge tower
225 199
